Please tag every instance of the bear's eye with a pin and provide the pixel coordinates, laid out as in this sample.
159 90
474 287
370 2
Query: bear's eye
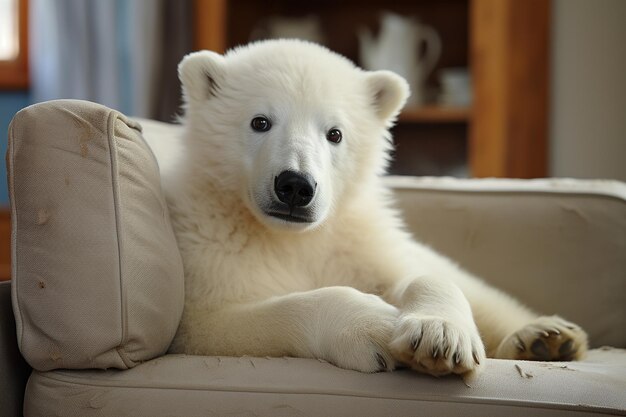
334 135
260 124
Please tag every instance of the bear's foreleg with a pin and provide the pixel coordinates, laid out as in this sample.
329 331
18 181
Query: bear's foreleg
341 325
436 333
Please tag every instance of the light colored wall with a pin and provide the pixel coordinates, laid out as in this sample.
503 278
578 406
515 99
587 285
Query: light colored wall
588 89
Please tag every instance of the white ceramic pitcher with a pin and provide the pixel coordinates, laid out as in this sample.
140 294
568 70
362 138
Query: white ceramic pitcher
398 48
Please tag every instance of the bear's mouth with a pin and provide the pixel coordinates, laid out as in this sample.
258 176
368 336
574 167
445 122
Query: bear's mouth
282 211
290 218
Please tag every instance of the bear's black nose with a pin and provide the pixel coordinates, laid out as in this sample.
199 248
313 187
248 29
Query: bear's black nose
294 189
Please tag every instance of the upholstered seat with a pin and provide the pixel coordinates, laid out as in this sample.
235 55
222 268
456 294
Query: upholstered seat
177 385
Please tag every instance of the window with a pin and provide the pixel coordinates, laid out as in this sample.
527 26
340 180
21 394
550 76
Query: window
9 35
13 44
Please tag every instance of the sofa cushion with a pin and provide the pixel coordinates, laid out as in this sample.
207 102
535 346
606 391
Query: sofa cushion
178 385
97 276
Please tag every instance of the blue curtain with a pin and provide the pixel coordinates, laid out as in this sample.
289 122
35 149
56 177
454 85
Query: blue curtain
111 52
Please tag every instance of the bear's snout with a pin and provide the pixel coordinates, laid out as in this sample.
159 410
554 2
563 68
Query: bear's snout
294 188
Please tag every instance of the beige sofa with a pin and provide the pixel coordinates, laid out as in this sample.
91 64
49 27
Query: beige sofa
97 289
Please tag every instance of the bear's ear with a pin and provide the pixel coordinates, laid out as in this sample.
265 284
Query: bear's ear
201 74
389 92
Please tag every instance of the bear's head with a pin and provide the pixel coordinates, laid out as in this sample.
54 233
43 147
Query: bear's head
291 128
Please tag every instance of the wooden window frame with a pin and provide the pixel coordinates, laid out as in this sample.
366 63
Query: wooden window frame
14 73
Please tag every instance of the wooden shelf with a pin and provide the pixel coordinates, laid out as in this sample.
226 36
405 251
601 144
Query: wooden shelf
435 114
503 43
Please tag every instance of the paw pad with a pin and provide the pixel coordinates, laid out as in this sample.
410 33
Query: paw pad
547 339
552 349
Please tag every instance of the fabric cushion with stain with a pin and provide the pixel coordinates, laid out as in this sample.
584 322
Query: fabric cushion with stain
97 275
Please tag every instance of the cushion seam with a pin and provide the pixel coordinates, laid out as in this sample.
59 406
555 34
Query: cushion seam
513 193
612 188
118 229
14 228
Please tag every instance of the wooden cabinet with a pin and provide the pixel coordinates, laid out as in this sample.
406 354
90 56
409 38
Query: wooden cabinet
504 43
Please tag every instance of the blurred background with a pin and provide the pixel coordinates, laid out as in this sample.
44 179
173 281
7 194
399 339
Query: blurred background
501 88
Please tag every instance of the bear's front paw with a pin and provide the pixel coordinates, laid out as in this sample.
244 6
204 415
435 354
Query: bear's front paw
437 346
548 338
356 330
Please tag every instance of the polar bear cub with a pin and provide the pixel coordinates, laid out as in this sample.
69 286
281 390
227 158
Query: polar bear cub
290 241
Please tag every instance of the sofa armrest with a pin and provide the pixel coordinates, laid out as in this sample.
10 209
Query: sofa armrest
558 245
14 369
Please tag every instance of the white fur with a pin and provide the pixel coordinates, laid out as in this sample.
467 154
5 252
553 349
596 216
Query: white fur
351 286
